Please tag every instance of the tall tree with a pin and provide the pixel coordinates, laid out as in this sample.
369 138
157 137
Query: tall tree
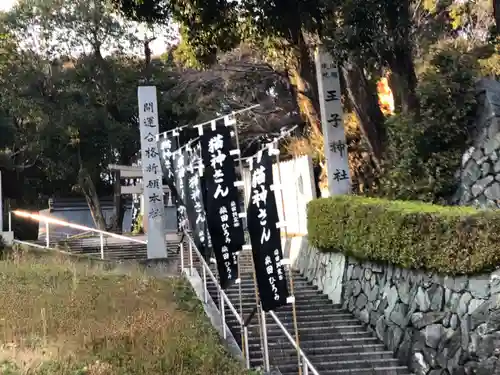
77 105
283 28
496 14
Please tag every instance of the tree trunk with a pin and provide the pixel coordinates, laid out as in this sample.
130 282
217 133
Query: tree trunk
496 14
304 101
363 97
119 212
400 56
88 189
403 81
302 75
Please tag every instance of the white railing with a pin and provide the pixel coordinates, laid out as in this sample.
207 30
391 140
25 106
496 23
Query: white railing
223 298
52 221
306 364
307 367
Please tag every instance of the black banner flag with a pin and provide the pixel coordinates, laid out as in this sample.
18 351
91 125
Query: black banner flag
167 148
224 224
265 236
179 162
194 201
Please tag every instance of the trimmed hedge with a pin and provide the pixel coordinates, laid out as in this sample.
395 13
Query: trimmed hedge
452 240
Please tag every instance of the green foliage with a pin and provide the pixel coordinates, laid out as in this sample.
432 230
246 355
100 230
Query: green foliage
451 240
206 26
212 26
62 108
424 152
138 226
490 66
9 368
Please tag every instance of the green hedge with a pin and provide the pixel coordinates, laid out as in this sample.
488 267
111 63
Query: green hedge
451 240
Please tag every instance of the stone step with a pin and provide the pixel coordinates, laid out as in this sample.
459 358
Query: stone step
247 280
331 365
250 291
319 332
345 369
306 324
325 334
250 287
310 342
310 334
340 349
318 307
309 345
301 316
300 297
286 317
290 357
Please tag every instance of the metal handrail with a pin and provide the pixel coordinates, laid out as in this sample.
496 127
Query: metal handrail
79 235
307 365
214 279
50 220
223 298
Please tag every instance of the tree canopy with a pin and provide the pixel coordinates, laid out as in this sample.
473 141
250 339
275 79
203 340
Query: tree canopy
69 72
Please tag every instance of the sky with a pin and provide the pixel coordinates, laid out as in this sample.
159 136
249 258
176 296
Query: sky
6 4
158 46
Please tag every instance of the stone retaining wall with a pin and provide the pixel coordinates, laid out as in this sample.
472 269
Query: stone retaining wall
479 176
325 270
437 325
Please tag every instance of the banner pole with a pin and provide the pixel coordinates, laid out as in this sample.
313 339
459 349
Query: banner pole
290 274
263 344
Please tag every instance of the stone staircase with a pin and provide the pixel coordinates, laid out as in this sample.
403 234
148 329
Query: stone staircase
113 250
334 341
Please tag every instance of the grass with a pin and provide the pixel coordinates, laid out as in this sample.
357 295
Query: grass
67 317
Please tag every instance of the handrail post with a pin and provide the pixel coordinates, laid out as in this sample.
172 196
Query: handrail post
182 256
223 300
267 367
305 366
101 238
47 235
10 221
190 258
247 350
205 291
222 314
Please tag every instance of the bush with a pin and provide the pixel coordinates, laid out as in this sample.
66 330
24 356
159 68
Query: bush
451 240
424 150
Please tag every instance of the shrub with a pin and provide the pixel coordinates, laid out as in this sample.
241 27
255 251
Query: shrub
451 240
424 151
